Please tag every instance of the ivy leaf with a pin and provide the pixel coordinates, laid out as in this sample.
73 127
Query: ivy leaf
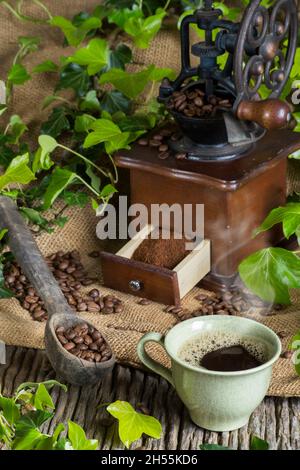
157 74
213 447
94 56
115 101
288 215
103 130
75 198
143 30
122 141
41 161
18 74
108 191
136 122
73 34
95 180
132 424
34 216
78 439
119 57
60 221
131 84
3 232
6 293
257 443
47 143
57 122
17 172
90 102
16 129
83 123
120 16
10 410
46 66
270 273
60 179
30 43
74 76
42 399
27 432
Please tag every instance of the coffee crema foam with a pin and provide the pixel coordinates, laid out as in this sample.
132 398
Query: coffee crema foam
193 350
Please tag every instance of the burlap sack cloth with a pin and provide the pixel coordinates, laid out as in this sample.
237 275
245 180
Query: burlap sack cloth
122 330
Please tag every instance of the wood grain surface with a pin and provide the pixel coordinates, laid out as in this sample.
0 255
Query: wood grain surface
277 419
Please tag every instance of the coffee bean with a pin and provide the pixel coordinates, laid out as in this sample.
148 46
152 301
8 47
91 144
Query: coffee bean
198 101
81 307
62 339
97 358
94 293
287 354
10 279
158 137
163 148
176 310
107 310
96 335
30 300
119 309
69 346
70 334
180 156
163 155
78 340
94 254
144 302
87 339
154 143
143 142
87 282
63 265
93 307
282 334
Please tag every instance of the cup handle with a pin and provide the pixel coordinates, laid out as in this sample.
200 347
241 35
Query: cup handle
148 361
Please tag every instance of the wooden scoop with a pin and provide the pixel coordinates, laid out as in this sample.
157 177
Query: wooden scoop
22 244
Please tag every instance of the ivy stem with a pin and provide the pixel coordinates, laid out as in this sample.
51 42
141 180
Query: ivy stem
84 159
41 5
88 186
116 178
167 5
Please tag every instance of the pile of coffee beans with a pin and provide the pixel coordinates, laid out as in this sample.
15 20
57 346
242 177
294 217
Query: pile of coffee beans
227 303
85 342
71 277
195 103
159 141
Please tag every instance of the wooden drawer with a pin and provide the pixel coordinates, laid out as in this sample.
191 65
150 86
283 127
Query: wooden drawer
162 285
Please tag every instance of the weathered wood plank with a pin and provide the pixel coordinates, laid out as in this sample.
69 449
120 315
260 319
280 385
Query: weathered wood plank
277 419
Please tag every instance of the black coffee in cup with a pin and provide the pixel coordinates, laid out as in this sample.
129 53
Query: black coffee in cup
223 352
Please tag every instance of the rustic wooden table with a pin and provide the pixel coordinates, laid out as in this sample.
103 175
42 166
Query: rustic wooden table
277 419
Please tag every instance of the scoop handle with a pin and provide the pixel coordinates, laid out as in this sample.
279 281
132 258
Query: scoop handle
29 257
269 114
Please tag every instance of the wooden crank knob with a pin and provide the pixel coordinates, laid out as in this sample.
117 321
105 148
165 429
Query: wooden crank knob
269 114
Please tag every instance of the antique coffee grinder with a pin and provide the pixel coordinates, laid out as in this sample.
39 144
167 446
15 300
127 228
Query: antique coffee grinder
230 153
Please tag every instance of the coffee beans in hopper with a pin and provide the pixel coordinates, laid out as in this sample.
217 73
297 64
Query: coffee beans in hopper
194 103
71 277
84 342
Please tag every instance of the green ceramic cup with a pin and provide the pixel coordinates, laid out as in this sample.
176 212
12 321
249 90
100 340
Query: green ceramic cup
218 401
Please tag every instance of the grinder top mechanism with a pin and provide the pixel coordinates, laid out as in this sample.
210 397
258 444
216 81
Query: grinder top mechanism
217 104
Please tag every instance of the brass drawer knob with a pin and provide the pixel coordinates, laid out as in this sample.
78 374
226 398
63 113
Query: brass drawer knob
135 285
